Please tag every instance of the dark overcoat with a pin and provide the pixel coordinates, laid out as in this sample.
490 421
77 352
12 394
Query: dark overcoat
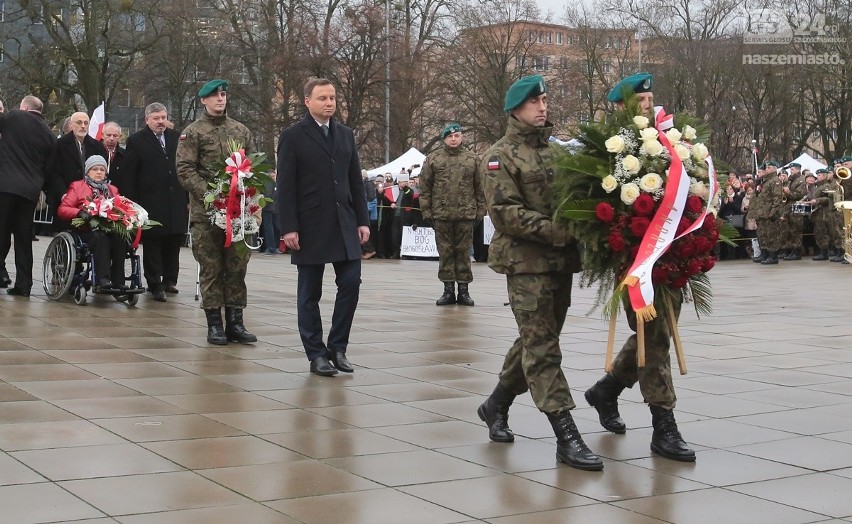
320 192
66 166
149 177
25 150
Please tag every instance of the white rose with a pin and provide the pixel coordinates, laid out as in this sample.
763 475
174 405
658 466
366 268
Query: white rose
673 135
609 183
699 151
640 121
652 148
651 182
689 133
648 133
615 144
629 193
698 188
681 151
631 164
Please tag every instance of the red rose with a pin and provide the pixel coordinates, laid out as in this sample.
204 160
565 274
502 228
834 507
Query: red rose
659 275
709 222
685 247
643 205
679 281
604 212
638 225
683 225
693 267
616 242
694 204
634 251
708 264
250 191
703 245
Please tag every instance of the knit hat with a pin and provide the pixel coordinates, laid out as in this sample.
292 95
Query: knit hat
95 160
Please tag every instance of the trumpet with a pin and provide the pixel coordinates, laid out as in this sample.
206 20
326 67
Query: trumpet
842 173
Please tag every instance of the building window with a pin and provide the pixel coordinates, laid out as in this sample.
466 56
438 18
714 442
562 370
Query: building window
607 68
541 63
2 11
549 37
559 38
530 36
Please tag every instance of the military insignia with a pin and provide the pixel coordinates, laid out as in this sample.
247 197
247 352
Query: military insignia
182 137
646 84
493 163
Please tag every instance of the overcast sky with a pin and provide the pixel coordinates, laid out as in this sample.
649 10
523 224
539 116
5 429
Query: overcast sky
557 7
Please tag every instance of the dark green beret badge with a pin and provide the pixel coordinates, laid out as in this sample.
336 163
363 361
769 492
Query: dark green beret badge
635 83
213 86
522 89
450 129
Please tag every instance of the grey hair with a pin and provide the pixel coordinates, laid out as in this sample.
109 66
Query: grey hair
155 107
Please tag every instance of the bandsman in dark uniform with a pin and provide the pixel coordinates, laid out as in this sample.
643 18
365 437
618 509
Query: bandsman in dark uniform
539 260
202 149
451 196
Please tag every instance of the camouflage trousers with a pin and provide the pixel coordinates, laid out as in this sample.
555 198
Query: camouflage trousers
770 234
540 303
655 379
793 226
454 239
827 234
222 270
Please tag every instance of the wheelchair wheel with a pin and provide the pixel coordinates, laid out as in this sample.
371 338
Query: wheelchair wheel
60 261
80 295
133 299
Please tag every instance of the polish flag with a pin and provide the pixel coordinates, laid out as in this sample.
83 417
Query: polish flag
96 122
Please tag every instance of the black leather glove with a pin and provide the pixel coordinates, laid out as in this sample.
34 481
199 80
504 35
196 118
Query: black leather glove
84 215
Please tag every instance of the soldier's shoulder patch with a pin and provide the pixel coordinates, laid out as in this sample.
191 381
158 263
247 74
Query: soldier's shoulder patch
183 136
493 163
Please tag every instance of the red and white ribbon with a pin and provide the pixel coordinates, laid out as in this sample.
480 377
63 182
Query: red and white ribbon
239 167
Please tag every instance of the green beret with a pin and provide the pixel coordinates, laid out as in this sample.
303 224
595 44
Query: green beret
847 158
522 89
822 171
450 129
762 166
635 83
795 164
213 86
773 163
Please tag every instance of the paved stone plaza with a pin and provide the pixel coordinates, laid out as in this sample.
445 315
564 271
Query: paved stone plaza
117 414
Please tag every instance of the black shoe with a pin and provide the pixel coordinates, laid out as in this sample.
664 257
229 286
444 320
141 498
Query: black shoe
666 440
463 298
603 396
170 288
794 254
5 281
17 292
771 258
159 296
104 283
322 367
823 255
234 328
495 413
338 360
449 296
215 331
570 448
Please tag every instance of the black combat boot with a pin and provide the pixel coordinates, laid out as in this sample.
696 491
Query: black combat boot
464 297
570 448
761 258
794 254
495 413
235 330
782 255
215 332
837 257
449 296
823 255
603 396
666 440
771 258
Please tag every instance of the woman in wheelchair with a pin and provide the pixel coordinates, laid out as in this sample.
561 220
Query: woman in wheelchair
108 250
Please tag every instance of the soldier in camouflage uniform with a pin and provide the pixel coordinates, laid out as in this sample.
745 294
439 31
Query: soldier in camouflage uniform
825 232
794 191
203 146
451 195
539 260
769 214
845 195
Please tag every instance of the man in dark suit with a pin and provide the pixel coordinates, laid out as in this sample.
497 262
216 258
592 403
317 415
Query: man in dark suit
323 216
149 177
70 156
25 149
115 153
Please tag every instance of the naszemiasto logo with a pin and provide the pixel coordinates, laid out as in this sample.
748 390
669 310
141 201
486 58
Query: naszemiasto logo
773 26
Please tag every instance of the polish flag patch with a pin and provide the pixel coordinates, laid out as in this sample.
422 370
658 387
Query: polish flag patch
493 164
182 137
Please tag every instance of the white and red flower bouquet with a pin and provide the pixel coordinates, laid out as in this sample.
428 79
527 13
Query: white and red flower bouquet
235 198
117 215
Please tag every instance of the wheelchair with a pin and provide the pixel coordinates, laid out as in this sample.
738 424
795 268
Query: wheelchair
68 264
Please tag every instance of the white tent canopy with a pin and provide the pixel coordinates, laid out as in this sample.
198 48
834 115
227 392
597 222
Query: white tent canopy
808 162
408 159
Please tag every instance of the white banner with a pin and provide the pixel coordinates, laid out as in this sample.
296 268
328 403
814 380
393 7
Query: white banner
487 230
419 243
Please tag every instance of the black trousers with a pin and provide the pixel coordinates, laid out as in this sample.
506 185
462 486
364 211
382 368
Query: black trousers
309 292
161 259
16 219
108 252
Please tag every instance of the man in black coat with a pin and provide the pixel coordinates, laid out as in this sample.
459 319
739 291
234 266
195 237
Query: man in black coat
25 150
323 216
115 153
66 166
149 177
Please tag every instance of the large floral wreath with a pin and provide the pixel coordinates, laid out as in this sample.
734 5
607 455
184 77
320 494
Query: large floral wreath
235 198
638 196
116 215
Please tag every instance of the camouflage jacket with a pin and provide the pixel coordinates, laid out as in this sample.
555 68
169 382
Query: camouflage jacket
451 185
201 154
770 204
796 185
518 183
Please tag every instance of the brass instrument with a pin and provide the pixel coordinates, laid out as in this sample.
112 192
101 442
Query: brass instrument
842 173
845 207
